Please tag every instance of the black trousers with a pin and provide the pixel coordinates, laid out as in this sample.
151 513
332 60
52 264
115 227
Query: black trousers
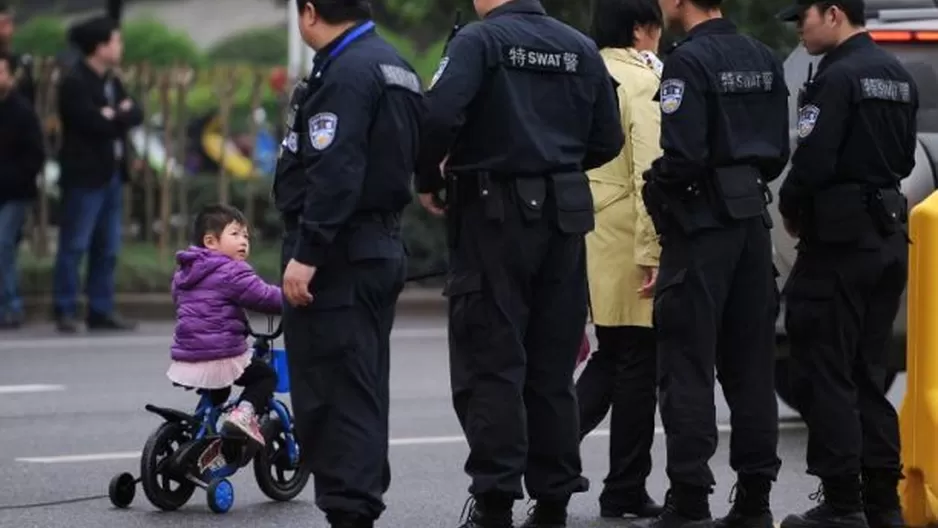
259 381
715 306
338 351
840 308
517 302
621 374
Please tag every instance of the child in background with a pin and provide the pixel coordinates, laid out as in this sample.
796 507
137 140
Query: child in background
212 287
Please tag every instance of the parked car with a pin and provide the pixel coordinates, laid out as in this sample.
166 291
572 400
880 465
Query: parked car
908 28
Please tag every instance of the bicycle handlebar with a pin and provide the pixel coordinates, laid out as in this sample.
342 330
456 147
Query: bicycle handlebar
277 332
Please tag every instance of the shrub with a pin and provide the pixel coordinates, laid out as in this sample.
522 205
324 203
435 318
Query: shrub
265 46
150 40
42 36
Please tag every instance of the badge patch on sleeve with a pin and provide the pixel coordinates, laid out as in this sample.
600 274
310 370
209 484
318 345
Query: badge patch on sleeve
439 71
290 142
807 118
672 94
322 129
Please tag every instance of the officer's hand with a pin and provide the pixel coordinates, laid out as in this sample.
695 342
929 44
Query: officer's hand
126 105
428 201
790 227
647 290
296 279
107 112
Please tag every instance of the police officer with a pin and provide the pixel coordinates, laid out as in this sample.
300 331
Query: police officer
523 105
857 136
341 184
22 64
724 136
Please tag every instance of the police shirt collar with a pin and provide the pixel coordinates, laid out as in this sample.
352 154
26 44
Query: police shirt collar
858 41
533 7
714 26
324 52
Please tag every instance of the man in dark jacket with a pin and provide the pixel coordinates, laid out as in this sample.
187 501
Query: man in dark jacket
96 114
21 158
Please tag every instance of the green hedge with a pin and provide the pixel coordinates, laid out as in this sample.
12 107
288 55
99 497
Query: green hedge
261 46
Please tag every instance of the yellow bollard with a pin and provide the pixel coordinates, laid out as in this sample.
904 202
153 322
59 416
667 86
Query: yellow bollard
918 416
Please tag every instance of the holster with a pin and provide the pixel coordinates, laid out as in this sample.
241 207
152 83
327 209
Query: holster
656 206
890 211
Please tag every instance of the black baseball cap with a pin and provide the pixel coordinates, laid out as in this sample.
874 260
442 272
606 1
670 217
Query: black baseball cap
794 12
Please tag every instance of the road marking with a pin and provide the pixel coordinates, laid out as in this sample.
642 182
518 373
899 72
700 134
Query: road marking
420 440
86 342
23 389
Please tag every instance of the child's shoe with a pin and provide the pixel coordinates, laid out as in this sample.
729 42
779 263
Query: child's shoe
242 421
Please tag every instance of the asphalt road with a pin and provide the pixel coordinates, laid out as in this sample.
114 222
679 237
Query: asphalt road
71 417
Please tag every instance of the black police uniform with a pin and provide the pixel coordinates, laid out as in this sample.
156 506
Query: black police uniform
342 181
523 105
857 137
724 133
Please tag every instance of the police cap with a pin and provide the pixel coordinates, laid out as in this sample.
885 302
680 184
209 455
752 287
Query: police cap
794 12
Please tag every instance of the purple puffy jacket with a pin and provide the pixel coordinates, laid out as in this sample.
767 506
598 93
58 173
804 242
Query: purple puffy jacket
211 292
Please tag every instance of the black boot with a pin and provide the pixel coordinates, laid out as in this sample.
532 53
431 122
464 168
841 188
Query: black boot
547 514
841 506
881 499
487 512
639 505
342 520
750 505
684 507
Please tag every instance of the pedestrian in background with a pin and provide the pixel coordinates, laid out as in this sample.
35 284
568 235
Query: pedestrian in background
622 262
342 180
724 137
523 105
96 113
22 156
842 199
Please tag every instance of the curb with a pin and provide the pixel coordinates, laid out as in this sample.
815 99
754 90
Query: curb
159 306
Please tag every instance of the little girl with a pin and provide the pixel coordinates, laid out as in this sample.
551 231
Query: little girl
212 287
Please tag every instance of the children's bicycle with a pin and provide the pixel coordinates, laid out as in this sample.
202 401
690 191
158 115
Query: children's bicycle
189 451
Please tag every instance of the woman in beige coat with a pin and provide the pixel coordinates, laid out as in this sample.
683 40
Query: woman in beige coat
622 260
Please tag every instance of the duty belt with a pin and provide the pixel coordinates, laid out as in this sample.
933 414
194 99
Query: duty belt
389 220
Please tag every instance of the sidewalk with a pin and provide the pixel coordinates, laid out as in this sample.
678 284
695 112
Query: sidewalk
156 306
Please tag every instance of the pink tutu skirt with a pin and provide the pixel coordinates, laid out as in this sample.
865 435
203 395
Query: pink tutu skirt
214 374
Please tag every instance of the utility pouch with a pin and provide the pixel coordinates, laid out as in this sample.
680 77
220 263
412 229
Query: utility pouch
531 194
841 215
890 210
739 191
574 202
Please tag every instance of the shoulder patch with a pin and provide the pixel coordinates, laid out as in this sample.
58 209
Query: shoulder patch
807 118
744 82
322 129
444 62
398 76
886 90
671 95
552 61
